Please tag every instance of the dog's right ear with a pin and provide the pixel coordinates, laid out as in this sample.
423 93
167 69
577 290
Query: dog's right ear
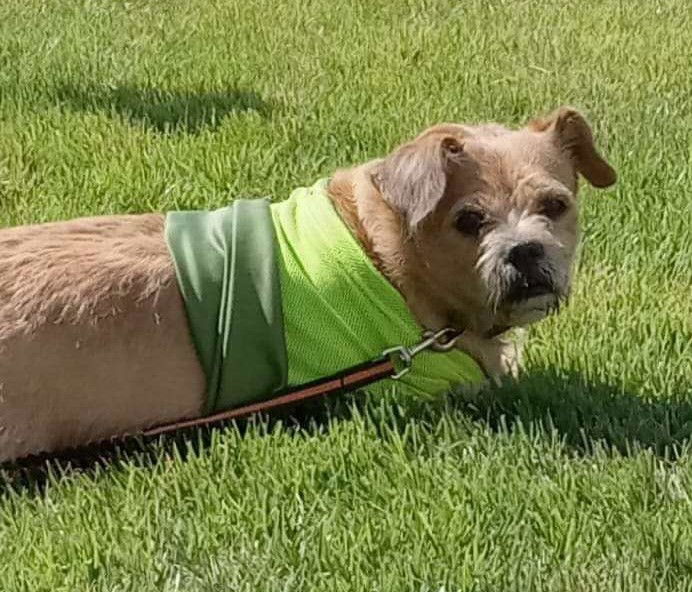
413 178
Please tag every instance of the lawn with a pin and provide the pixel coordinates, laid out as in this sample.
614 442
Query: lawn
576 478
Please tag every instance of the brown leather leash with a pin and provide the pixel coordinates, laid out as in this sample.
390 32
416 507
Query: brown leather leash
350 379
393 363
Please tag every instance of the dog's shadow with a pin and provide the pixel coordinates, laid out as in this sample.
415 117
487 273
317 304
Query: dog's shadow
163 110
585 415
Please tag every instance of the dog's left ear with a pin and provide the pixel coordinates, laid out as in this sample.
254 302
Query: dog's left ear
573 134
413 178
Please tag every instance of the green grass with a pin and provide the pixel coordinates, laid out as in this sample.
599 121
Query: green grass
578 478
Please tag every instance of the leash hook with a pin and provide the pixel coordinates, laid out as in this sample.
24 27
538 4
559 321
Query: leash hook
438 341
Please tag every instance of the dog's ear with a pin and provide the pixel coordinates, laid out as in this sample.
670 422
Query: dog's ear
573 134
413 178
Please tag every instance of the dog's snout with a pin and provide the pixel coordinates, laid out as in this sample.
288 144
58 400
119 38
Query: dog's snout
525 255
530 277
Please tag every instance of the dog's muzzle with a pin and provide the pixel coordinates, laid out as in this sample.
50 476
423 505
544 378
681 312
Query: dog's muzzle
530 274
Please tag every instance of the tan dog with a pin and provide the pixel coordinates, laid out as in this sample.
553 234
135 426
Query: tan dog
475 226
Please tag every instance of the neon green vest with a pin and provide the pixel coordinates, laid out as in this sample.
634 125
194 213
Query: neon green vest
281 295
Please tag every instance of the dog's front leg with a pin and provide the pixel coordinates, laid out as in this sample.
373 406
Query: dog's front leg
499 356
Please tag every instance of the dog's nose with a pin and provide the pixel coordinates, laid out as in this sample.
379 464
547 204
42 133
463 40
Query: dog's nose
524 255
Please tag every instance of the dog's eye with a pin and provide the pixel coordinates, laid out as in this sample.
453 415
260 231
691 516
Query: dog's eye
553 207
469 222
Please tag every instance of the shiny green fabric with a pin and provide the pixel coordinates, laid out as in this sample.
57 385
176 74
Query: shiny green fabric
226 267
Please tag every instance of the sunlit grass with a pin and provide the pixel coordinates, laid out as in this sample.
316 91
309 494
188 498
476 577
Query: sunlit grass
577 478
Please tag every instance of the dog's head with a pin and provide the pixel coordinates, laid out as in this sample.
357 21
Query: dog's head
490 214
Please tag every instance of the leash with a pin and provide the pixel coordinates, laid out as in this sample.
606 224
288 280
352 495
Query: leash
393 363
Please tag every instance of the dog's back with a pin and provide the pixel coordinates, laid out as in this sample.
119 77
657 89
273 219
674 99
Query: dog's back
77 299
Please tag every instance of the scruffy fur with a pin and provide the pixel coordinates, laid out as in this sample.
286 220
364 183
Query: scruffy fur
93 335
404 208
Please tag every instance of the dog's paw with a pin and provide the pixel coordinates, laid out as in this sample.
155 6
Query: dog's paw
500 357
511 350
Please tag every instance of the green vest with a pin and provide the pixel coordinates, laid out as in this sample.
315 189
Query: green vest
281 295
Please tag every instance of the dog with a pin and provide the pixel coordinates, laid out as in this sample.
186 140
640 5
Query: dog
472 227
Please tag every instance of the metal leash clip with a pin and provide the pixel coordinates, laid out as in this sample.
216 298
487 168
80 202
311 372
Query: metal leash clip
437 341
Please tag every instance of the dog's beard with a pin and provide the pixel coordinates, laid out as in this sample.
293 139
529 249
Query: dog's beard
531 310
510 298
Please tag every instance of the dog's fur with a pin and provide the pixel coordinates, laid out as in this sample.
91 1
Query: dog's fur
403 209
93 335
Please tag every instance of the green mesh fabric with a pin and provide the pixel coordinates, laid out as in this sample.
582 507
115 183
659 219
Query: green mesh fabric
338 309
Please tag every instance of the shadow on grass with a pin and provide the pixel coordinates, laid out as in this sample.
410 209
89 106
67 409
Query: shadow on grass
586 416
164 111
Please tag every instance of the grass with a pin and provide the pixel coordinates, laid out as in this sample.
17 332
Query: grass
579 477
